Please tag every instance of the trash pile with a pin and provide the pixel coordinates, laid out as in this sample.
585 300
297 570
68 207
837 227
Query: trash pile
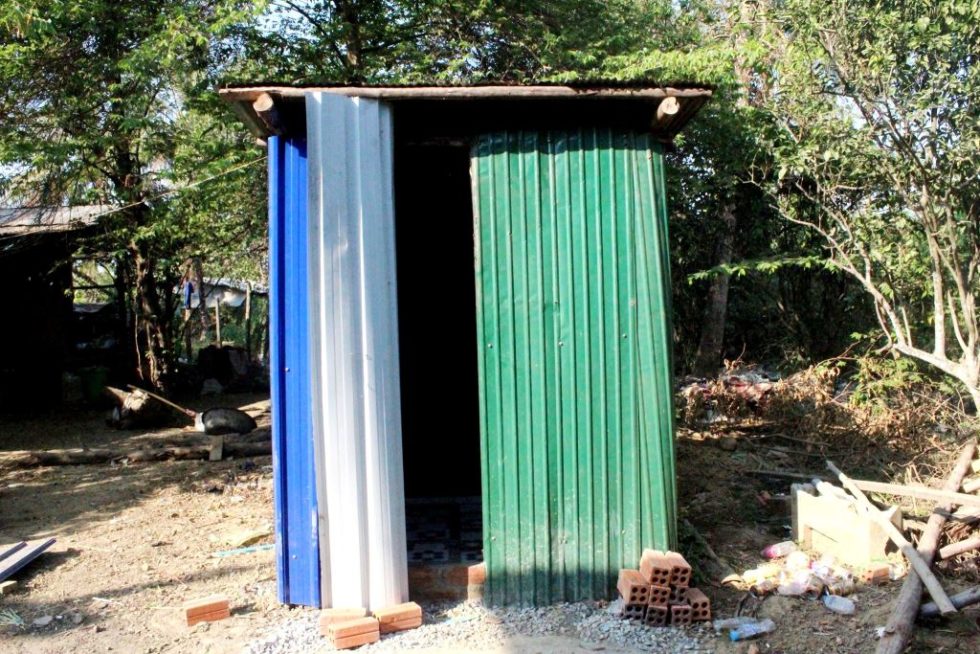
659 593
795 573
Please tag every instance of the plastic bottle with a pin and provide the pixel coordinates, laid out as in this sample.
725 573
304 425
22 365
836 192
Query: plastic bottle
797 561
753 629
838 604
779 550
843 585
767 571
732 623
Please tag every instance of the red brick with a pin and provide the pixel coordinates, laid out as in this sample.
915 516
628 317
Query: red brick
680 615
655 568
659 595
401 625
352 627
405 611
634 611
657 615
680 571
205 605
876 574
206 609
700 605
213 616
477 574
357 641
334 615
633 587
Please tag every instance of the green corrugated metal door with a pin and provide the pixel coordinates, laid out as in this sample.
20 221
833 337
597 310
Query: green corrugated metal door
575 364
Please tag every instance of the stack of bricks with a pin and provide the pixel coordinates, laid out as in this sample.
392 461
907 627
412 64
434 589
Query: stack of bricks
352 627
659 593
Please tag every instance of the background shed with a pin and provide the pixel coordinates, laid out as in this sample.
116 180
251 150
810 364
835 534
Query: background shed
470 308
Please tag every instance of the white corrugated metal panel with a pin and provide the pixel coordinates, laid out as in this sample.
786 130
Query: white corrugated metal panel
354 367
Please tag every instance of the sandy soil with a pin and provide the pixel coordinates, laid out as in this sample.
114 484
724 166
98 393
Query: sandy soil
136 541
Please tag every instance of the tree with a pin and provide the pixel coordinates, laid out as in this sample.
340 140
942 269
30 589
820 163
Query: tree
431 41
99 99
877 138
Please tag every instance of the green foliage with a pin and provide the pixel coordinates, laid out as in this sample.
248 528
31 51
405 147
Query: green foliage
876 135
112 103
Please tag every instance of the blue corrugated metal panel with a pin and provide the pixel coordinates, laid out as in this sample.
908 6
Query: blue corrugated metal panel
297 540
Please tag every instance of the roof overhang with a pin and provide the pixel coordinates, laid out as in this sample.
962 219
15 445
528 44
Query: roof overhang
662 110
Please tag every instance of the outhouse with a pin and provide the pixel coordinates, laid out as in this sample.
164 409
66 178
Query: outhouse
470 331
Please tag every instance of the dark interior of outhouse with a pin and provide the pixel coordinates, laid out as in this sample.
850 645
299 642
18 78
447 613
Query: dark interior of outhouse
437 342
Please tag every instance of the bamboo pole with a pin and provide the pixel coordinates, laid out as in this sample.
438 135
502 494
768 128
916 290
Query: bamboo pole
932 494
917 562
898 631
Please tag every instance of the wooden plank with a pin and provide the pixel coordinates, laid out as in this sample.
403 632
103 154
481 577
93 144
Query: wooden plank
251 94
13 564
932 494
7 550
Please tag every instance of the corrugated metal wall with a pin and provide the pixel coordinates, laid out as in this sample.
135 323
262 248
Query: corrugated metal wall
354 355
297 542
575 364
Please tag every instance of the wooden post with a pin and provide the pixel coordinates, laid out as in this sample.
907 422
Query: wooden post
217 321
898 631
919 565
248 320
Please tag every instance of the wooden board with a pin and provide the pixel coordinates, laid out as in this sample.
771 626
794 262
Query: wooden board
13 564
7 550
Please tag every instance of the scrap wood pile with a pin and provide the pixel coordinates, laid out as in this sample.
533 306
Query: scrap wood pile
659 593
860 542
217 443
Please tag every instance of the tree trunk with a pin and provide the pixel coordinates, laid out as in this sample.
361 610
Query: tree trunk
709 352
152 333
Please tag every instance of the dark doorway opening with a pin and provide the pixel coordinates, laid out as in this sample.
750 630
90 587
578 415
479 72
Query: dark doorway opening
437 341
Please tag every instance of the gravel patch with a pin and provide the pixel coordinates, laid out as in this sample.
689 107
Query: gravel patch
473 627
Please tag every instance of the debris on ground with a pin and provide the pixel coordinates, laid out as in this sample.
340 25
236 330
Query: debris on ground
251 549
470 626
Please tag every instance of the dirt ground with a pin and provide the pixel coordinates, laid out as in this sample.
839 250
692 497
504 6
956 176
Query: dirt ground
136 541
